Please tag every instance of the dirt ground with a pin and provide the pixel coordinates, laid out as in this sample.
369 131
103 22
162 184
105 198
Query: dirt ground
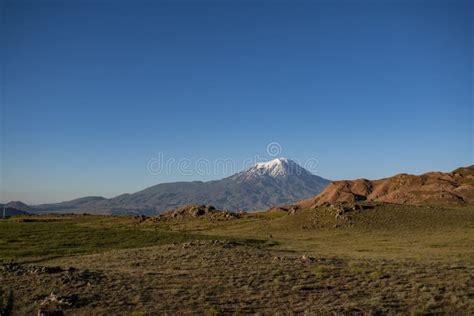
222 277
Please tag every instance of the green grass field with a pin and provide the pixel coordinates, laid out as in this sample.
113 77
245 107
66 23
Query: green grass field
33 241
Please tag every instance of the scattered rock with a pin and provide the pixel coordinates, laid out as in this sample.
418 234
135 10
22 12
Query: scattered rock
307 258
19 269
198 211
292 211
141 218
207 243
53 304
289 209
82 277
44 312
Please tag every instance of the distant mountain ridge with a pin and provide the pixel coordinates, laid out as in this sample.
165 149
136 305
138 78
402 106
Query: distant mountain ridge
14 208
456 187
275 182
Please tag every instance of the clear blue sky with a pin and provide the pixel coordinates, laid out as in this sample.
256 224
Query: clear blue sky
91 90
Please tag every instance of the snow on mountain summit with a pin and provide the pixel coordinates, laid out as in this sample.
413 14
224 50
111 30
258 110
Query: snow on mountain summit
280 167
276 167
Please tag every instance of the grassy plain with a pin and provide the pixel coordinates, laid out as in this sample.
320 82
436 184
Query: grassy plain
389 259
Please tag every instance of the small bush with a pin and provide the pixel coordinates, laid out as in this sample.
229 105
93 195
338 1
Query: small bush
374 275
319 271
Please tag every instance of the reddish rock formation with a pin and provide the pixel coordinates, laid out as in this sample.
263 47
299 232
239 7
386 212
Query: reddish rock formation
456 187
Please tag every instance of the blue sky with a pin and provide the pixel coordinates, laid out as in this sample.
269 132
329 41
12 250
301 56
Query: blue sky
92 90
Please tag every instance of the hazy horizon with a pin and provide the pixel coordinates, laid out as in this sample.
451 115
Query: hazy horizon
92 91
72 197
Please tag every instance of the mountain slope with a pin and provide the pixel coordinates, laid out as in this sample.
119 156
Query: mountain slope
455 187
71 206
280 181
19 206
11 211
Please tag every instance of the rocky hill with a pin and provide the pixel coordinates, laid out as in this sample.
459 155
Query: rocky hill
455 187
196 211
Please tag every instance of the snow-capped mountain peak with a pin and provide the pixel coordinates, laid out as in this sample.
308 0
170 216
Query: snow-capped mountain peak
277 168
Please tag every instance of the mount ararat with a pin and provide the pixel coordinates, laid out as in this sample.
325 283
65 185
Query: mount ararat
277 182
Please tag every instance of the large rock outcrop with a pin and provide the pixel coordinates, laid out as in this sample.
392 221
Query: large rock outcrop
455 187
